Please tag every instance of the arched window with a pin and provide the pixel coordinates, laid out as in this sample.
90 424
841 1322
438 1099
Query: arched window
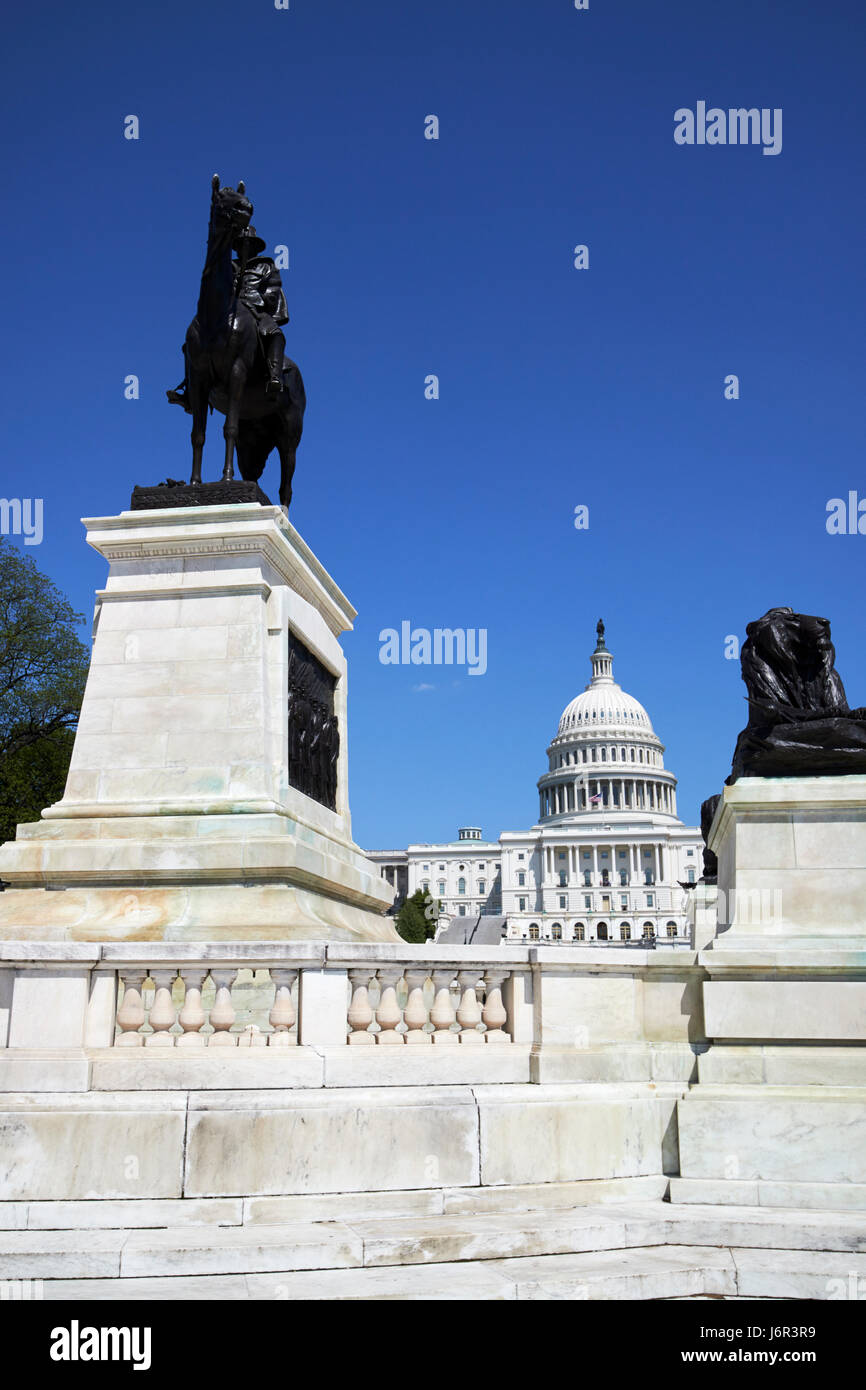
461 885
671 928
579 933
534 931
556 932
649 931
625 932
601 931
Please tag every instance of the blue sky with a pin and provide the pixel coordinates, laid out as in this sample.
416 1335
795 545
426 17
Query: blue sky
558 387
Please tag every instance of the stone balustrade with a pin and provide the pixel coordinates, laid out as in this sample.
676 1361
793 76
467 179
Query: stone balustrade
594 1013
443 1004
159 1019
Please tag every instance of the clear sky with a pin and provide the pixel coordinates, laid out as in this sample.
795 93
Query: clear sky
558 387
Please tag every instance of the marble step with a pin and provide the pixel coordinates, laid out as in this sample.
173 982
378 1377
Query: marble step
410 1240
671 1272
108 1213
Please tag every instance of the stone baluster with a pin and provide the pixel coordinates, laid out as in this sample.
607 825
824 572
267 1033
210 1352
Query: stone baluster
282 1015
360 1013
192 1016
222 1014
469 1012
415 1012
493 1014
163 1014
131 1015
442 1014
388 1013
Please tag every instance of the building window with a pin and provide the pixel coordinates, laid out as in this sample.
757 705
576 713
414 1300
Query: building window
650 900
426 886
690 853
521 856
521 880
601 932
671 928
579 931
563 878
534 932
560 854
481 888
441 868
462 909
623 899
648 931
625 932
461 885
587 902
521 904
691 876
563 900
622 755
442 888
623 877
556 932
647 875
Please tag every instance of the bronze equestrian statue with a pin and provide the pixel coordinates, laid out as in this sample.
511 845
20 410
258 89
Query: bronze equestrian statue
234 351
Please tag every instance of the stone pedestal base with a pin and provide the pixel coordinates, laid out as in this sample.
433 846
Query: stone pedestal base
182 819
780 1109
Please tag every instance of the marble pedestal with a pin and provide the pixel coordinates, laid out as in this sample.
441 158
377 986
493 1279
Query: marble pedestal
781 1102
178 821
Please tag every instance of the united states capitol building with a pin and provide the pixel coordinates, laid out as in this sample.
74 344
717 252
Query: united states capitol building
608 860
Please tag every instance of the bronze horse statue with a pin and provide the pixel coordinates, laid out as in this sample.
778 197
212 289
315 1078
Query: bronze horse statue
225 362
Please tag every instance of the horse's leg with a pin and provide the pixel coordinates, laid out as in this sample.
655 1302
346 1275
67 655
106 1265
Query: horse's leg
287 472
237 382
199 389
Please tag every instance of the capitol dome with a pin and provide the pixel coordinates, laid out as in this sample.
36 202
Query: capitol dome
604 707
606 756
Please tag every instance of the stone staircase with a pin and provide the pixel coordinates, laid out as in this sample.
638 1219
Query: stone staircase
554 1241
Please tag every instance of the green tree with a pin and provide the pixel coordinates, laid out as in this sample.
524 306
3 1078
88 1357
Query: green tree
43 667
31 779
416 920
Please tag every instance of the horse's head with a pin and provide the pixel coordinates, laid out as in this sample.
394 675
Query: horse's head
231 209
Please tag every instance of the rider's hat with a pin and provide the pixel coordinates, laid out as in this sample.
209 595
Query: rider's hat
247 241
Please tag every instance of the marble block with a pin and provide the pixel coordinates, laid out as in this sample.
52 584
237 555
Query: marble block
178 820
792 860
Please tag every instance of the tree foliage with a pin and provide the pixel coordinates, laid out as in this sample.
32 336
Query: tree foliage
31 779
416 920
43 667
43 662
